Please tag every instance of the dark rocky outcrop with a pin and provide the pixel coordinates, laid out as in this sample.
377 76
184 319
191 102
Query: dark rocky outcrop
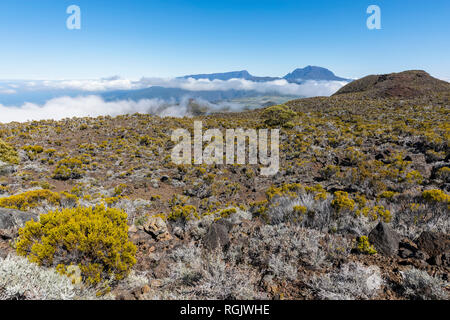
385 240
218 235
433 243
157 228
12 220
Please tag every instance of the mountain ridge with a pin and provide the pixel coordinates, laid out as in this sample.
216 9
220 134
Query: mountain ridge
242 74
312 73
299 75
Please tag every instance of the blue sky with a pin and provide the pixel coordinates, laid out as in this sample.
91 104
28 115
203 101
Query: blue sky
165 38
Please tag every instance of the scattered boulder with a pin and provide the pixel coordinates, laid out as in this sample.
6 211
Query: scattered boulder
132 229
154 183
420 255
140 237
405 253
217 235
435 260
155 283
407 249
177 231
200 191
157 228
409 245
12 220
135 294
433 243
385 240
379 156
177 184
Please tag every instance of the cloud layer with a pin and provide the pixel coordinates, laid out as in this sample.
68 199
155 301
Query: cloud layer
281 86
87 102
94 106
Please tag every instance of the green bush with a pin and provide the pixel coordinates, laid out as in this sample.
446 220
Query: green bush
68 168
279 116
7 153
363 246
93 239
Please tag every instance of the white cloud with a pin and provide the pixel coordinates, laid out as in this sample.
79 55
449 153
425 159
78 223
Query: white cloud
281 86
94 106
67 107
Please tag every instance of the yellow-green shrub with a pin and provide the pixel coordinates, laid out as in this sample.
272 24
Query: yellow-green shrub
279 116
387 195
319 192
145 140
95 239
30 199
289 189
226 213
300 210
120 189
33 149
69 168
443 173
379 212
435 195
361 201
185 212
363 246
414 177
342 202
7 153
260 208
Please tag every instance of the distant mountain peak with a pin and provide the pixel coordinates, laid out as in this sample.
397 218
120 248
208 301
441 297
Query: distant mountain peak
312 73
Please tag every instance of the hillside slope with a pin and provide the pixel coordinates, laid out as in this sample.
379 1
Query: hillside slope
407 84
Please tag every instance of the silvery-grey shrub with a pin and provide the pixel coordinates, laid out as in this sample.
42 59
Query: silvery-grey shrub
419 285
353 281
20 279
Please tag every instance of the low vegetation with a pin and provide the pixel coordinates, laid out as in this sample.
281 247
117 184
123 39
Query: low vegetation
111 201
7 153
93 239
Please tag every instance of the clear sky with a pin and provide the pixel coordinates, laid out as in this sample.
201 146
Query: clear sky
165 38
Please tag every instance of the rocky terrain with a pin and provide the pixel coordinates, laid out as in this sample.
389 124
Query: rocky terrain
358 210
